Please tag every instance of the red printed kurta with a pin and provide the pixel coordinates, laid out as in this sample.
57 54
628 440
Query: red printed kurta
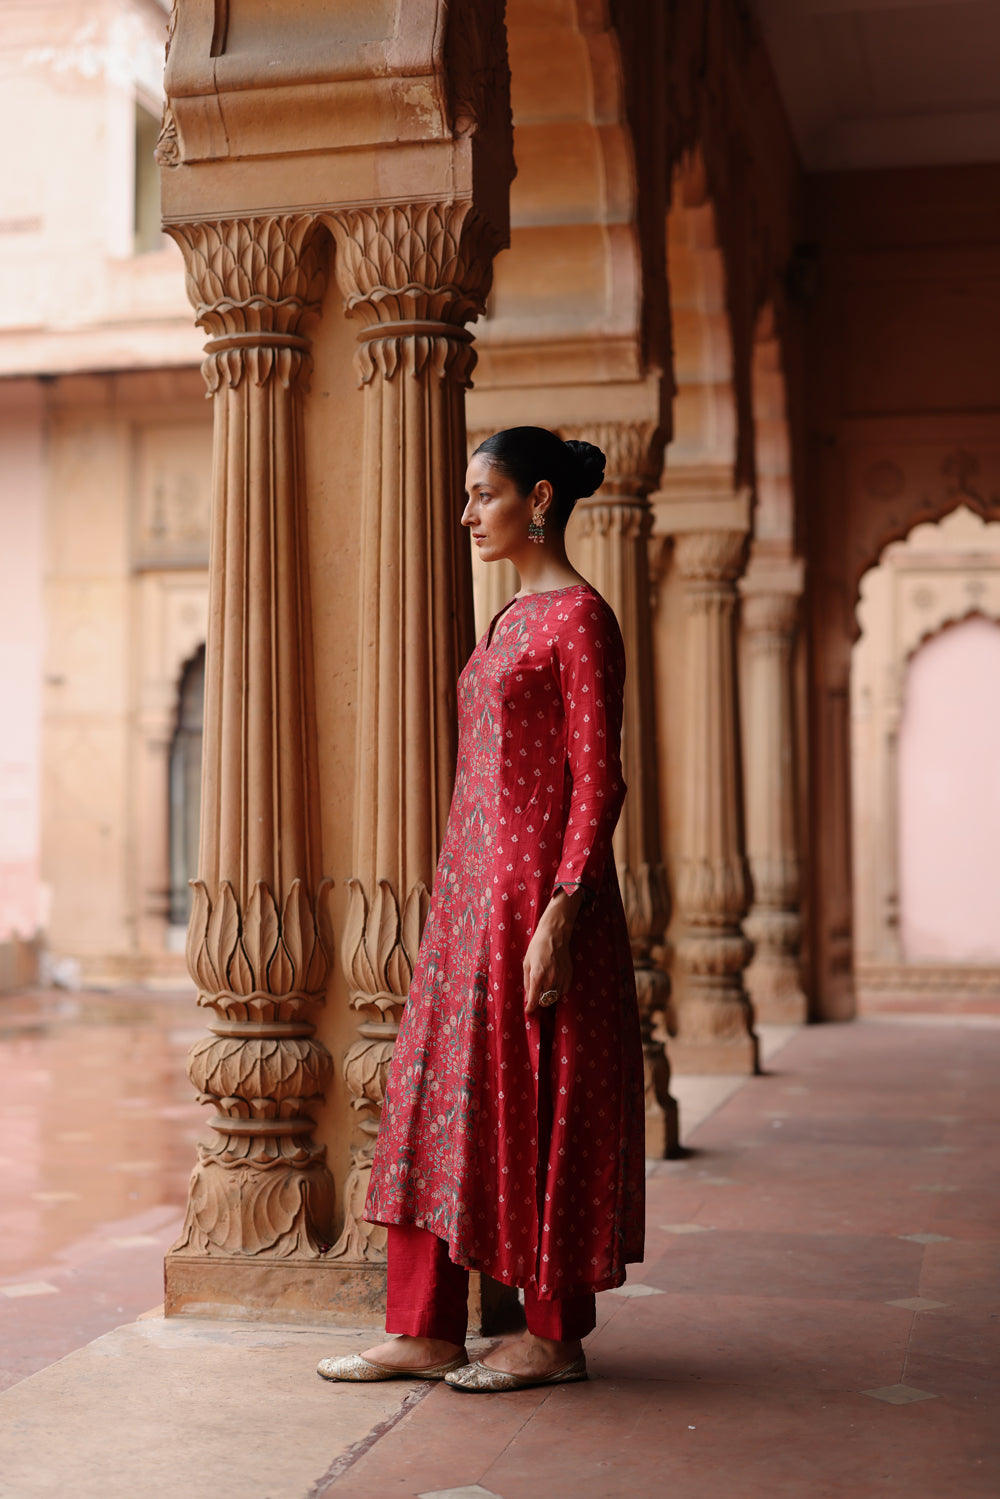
517 1139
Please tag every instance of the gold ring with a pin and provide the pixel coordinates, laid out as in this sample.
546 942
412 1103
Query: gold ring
550 997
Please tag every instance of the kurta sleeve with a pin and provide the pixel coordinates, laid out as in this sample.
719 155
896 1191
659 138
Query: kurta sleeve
591 660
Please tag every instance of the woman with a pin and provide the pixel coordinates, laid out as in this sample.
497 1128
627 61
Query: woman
512 1132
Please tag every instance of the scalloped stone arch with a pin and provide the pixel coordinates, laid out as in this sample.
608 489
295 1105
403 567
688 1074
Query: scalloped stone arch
950 621
774 507
891 491
705 421
568 292
919 587
944 612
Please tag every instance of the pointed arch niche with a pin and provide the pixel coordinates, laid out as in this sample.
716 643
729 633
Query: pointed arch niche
925 739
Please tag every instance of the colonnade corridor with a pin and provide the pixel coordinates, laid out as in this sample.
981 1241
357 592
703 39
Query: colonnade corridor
749 250
815 1314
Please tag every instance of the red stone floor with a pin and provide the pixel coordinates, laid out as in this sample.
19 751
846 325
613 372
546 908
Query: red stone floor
97 1124
817 1317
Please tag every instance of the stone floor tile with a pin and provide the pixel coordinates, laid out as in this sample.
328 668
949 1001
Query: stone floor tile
29 1288
918 1304
467 1491
899 1394
833 1267
965 1382
684 1228
760 1342
635 1288
960 1333
925 1238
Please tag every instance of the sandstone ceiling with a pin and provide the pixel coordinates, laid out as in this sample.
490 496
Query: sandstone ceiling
887 83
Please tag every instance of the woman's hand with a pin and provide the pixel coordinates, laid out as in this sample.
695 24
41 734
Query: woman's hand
547 962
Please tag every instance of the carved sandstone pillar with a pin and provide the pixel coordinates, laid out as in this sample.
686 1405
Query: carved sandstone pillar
261 1189
609 539
770 615
714 1019
414 276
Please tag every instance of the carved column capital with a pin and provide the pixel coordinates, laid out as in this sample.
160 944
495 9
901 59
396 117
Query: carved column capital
770 615
415 274
620 508
253 283
710 556
634 453
771 589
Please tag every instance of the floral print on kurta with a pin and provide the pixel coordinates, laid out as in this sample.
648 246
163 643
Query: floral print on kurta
519 1139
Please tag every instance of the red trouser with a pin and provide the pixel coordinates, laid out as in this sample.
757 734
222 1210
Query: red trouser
428 1295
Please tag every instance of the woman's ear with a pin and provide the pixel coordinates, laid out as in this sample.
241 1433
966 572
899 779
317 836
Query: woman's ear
541 496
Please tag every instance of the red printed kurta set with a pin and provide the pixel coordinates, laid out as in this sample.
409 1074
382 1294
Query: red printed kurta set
517 1141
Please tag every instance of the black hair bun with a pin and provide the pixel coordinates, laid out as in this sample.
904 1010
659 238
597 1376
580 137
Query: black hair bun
590 464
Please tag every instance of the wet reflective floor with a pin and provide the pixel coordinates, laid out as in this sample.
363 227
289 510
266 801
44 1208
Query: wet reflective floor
97 1129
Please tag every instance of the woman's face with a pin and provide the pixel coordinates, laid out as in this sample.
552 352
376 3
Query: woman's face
495 513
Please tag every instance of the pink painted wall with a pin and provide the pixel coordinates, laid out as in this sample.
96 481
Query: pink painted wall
22 504
949 797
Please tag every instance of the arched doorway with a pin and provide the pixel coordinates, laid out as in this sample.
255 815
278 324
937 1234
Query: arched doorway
925 735
949 798
185 787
